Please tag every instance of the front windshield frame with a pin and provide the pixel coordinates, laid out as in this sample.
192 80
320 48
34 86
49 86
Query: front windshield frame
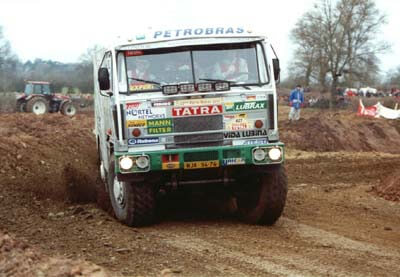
195 78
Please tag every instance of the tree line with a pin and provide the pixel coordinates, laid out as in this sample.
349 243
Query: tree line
337 45
14 72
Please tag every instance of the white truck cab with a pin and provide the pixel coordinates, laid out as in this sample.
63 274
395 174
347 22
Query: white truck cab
190 106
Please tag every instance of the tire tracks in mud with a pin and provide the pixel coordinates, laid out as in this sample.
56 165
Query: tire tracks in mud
302 250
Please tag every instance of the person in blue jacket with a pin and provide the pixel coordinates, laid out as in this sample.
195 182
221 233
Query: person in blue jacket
296 101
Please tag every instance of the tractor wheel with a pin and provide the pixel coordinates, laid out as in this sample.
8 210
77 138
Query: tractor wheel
68 109
133 204
263 198
37 105
21 106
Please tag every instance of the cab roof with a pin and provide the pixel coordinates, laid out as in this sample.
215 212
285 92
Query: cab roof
186 37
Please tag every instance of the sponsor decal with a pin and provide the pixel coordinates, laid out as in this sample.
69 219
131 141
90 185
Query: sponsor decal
243 134
249 141
133 105
201 164
181 33
233 161
145 113
135 141
136 123
256 97
199 110
159 126
238 124
161 104
142 86
159 122
245 106
159 130
228 117
198 102
170 165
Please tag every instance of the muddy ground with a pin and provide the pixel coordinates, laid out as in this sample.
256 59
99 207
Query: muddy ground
342 216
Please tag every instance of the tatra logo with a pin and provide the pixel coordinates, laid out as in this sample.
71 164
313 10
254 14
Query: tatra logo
200 110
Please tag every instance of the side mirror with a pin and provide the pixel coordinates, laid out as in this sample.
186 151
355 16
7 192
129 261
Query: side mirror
277 69
104 79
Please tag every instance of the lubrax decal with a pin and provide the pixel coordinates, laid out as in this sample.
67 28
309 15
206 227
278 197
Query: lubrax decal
243 106
179 33
202 110
243 134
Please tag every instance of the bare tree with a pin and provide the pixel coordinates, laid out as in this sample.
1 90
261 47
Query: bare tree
340 38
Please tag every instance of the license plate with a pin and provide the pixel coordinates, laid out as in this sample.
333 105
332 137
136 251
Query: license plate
201 164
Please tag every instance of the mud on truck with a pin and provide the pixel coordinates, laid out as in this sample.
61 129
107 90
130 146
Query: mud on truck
190 108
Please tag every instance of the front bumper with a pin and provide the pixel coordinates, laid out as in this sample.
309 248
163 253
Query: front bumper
199 158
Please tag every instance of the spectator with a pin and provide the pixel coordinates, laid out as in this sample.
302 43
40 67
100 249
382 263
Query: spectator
296 101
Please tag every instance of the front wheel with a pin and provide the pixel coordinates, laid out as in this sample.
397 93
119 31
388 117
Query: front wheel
133 204
262 199
37 105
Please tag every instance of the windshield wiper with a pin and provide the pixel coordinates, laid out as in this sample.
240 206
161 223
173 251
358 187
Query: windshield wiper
216 80
219 80
145 81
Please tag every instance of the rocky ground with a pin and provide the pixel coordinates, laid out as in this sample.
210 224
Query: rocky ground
342 216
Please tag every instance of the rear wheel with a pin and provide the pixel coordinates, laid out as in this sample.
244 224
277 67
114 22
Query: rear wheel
37 105
68 109
133 204
263 198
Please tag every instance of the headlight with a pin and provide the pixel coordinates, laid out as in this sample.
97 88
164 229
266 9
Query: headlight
125 163
259 154
142 162
275 154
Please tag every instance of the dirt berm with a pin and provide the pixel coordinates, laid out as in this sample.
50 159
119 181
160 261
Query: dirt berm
49 181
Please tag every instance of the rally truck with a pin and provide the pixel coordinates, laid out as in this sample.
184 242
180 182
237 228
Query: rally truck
190 108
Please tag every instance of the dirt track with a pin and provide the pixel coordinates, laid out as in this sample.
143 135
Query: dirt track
334 223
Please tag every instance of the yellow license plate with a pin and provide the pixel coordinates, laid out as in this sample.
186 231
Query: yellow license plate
201 164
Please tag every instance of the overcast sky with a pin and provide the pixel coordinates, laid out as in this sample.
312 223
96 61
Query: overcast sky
62 30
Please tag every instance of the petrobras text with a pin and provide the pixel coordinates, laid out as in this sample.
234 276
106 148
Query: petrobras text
181 33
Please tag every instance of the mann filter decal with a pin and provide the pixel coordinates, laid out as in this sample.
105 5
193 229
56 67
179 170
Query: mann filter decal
159 122
159 130
244 134
159 126
245 106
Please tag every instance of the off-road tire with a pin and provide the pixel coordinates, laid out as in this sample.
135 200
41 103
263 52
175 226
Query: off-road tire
265 196
21 107
68 109
37 105
140 202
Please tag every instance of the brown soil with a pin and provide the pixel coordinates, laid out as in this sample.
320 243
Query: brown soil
390 187
334 222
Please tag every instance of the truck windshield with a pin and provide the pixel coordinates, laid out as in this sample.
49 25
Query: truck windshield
148 70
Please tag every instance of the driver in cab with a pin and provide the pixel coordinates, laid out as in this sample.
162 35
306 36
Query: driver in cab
231 68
